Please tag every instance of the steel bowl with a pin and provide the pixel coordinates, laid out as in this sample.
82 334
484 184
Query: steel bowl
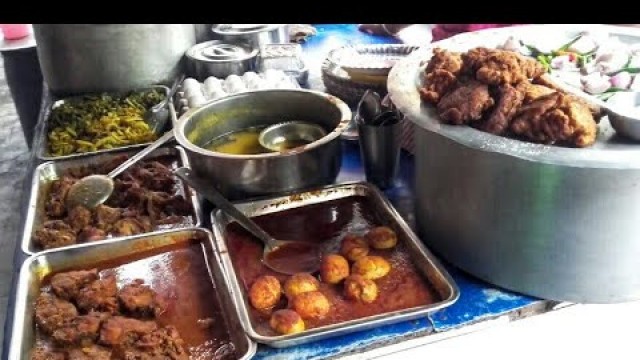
255 35
242 176
220 59
628 126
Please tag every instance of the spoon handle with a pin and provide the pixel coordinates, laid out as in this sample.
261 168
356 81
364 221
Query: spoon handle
213 195
140 155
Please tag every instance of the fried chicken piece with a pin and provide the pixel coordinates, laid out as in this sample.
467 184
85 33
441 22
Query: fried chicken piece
52 313
55 207
440 75
499 67
138 299
546 81
79 217
106 216
90 233
120 330
82 330
53 234
164 343
465 104
509 101
92 352
132 226
44 353
556 118
154 176
535 91
99 295
67 284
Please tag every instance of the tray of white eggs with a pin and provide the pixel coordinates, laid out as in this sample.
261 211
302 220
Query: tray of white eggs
193 94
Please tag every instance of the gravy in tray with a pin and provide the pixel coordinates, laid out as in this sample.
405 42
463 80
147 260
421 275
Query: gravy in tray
403 288
180 277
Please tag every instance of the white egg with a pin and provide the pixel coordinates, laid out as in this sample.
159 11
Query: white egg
212 87
250 76
196 100
212 81
190 83
233 84
257 84
217 94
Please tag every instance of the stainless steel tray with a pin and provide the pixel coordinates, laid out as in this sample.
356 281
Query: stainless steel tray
36 268
43 150
51 170
427 264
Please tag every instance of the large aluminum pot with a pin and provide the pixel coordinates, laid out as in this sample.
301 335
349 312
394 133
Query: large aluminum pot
242 176
82 58
552 222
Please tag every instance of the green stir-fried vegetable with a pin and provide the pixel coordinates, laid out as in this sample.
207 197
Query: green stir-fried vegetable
101 122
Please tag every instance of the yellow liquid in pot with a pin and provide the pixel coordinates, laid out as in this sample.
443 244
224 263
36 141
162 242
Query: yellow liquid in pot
242 142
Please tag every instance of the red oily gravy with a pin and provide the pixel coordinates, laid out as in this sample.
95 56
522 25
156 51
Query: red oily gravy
179 275
403 288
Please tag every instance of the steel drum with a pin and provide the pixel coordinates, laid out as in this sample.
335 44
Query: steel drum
551 222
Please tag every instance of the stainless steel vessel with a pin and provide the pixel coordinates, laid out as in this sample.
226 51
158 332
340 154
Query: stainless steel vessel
429 267
239 176
82 58
557 223
36 268
220 59
256 35
47 172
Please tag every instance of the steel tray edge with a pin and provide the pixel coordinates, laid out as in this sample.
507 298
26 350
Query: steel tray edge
16 345
29 220
252 207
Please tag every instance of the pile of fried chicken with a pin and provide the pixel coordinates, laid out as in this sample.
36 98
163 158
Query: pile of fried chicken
84 316
144 198
505 93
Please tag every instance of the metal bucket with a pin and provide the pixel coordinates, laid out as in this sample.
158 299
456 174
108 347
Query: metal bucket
552 222
85 58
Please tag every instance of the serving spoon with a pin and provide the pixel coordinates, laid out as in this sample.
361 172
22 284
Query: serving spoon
282 256
93 190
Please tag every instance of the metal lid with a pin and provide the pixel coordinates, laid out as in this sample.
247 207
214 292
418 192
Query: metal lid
218 51
241 29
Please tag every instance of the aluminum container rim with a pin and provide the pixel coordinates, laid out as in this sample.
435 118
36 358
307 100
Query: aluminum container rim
343 327
404 78
341 106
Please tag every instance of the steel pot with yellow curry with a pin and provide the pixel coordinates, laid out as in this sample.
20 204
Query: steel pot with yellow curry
222 141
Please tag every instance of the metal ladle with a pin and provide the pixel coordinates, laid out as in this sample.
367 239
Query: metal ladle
93 190
289 135
308 259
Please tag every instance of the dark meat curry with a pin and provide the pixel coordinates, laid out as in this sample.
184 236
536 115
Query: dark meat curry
159 305
146 197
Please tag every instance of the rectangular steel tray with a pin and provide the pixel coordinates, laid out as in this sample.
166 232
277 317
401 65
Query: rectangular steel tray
51 170
427 264
42 151
37 267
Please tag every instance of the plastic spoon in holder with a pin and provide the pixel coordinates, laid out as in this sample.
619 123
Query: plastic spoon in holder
283 256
